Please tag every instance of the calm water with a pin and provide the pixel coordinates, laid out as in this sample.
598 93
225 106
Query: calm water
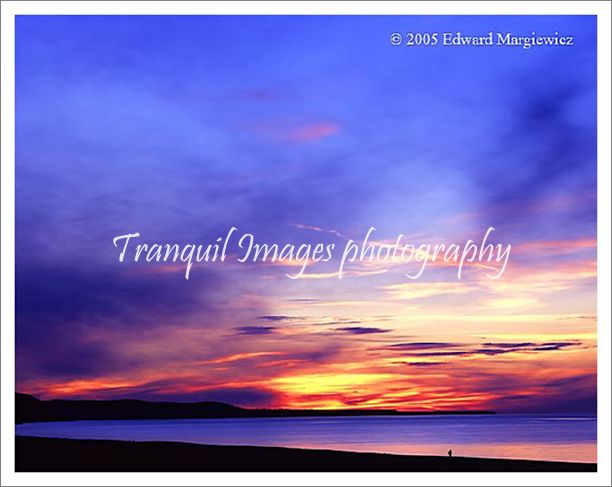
540 437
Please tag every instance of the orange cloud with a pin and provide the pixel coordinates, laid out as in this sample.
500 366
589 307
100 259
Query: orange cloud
238 356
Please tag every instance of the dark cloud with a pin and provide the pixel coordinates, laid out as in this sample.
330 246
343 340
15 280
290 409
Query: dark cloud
576 394
424 364
544 126
324 354
61 293
362 330
451 353
418 346
60 312
500 348
554 346
448 349
255 330
495 351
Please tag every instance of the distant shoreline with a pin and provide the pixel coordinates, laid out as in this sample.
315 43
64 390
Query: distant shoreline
32 410
35 454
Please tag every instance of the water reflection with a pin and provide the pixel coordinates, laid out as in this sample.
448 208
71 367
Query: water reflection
538 437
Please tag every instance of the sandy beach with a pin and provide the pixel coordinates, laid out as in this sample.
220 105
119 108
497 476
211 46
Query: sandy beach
51 454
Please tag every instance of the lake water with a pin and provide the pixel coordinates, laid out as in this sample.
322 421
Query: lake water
527 436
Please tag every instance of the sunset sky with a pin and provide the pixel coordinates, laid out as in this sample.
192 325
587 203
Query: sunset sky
305 130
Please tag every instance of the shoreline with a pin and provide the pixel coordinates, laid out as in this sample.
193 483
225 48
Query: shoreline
39 454
30 409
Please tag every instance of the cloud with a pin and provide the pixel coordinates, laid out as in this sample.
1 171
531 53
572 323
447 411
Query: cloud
545 347
238 356
335 320
312 133
317 229
450 353
306 300
573 394
237 396
448 349
530 346
418 346
342 150
424 364
255 330
63 315
544 247
509 344
516 193
362 330
66 293
280 318
182 391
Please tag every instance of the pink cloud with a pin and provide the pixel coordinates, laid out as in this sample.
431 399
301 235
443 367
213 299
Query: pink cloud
313 132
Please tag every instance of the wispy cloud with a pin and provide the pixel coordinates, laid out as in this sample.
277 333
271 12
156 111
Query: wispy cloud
317 229
311 133
256 330
280 318
444 349
362 330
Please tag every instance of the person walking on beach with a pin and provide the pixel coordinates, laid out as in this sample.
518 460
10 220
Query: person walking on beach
450 453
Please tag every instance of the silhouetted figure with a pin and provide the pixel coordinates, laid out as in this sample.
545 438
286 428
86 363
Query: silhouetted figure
450 453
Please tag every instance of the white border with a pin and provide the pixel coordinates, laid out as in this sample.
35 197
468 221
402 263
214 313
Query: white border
7 195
